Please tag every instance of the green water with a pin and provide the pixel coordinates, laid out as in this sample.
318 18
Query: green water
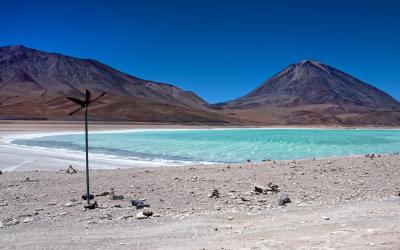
229 145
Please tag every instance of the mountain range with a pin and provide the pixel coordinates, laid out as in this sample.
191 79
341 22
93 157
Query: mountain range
34 84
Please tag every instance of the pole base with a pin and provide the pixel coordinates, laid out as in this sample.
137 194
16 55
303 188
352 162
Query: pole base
84 196
91 205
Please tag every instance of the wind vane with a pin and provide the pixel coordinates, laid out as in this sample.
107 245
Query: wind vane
84 104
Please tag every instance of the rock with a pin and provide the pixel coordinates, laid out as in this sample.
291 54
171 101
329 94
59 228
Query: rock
28 219
27 215
147 212
262 190
69 204
141 216
244 199
273 187
228 226
325 217
283 199
230 217
11 222
3 204
1 172
114 196
214 194
259 190
139 204
1 224
27 179
118 197
71 170
124 217
103 194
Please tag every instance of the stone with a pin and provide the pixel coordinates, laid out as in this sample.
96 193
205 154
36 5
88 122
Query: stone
283 199
103 194
118 197
244 199
214 194
139 204
273 187
228 226
230 217
259 190
27 179
11 222
69 204
1 224
141 216
325 217
147 212
28 219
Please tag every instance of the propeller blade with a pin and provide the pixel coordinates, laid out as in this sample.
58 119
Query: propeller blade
87 100
76 110
77 101
100 96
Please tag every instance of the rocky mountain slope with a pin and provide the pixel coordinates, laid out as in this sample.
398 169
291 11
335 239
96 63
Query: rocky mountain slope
34 85
310 92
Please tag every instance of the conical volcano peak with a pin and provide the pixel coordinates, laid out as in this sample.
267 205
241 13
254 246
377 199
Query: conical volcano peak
304 64
310 82
308 61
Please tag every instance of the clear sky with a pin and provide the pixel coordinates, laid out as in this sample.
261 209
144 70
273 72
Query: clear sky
218 49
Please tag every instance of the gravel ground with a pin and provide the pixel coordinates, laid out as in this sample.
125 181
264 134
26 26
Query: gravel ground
345 203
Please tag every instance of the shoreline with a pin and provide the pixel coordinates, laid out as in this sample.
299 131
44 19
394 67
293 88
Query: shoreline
104 161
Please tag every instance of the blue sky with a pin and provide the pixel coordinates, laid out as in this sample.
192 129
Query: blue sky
218 49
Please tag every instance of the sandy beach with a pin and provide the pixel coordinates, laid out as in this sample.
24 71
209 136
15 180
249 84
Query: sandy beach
336 203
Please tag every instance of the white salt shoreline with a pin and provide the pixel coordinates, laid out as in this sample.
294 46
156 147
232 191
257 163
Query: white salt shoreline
17 157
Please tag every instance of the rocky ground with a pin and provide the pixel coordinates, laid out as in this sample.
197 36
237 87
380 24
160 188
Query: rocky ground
345 203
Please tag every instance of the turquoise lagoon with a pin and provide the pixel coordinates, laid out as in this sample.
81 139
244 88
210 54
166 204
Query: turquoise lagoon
228 145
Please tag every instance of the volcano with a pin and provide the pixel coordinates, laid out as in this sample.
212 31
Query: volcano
310 92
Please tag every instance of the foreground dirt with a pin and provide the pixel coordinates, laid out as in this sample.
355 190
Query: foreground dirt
341 203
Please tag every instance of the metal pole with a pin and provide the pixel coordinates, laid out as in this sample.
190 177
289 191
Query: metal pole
87 156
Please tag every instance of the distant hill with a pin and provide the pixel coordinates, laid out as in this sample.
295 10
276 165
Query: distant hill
310 93
34 85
